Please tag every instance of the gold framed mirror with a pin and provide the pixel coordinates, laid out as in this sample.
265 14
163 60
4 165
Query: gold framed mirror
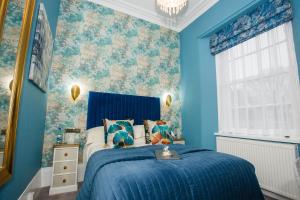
12 69
3 9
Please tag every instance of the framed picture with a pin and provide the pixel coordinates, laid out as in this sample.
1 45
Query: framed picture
42 51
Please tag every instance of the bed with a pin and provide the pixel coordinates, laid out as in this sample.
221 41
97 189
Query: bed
135 173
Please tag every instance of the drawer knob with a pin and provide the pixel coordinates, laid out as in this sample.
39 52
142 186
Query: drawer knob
64 180
65 167
66 154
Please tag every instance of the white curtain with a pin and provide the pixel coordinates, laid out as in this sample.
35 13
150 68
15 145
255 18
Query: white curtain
258 86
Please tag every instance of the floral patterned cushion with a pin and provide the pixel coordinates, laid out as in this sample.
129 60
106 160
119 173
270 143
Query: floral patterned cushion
157 132
121 139
118 132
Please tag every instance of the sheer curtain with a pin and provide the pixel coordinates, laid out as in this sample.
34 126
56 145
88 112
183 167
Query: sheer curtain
258 86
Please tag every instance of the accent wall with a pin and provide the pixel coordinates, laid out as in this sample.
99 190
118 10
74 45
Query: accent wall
198 74
31 123
107 51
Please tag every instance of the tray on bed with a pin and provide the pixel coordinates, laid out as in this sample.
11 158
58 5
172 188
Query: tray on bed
173 155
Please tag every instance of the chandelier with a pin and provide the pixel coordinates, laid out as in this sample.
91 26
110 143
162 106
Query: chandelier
171 7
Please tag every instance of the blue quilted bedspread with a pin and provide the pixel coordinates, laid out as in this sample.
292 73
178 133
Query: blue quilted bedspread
134 173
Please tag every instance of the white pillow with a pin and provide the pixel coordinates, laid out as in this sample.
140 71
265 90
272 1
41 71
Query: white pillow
95 135
140 142
139 131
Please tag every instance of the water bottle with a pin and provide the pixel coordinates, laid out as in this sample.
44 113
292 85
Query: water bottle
59 136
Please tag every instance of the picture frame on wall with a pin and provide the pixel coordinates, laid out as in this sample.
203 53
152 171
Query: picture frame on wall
41 51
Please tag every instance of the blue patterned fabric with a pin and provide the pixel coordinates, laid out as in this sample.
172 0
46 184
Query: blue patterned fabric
121 132
119 125
266 16
160 135
134 173
122 139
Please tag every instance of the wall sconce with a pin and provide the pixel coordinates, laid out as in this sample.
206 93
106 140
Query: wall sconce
11 84
75 92
168 100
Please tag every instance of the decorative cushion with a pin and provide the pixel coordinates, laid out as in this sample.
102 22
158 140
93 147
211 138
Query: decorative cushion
119 133
157 132
121 139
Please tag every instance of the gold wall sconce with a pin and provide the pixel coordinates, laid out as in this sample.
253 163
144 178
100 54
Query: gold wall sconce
75 92
11 84
168 100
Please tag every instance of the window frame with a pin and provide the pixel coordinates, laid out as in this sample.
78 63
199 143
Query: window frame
228 125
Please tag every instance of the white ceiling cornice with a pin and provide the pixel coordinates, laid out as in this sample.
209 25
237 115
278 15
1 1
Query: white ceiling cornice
130 9
195 9
194 13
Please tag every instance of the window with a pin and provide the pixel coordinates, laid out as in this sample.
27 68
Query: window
258 86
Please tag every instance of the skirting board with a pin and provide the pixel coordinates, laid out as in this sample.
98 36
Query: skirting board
43 179
34 183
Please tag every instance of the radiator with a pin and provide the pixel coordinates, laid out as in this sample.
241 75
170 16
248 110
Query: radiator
274 163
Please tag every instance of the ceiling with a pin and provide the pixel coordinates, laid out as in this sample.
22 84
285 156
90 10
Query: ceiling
147 10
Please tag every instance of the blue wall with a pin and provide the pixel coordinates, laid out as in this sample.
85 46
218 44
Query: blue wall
31 124
296 29
199 111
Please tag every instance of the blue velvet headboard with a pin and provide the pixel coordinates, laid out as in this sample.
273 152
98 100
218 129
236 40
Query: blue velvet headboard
119 106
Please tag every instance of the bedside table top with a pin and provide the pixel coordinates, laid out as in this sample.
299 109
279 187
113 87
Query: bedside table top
65 145
180 139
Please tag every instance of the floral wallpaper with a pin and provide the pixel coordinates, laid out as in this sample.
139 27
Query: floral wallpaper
107 51
8 50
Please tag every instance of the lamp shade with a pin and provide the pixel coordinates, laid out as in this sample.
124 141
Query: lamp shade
75 92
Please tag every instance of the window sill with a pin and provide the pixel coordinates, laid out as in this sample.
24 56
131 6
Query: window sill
292 140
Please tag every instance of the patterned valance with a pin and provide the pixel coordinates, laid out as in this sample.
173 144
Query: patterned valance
266 16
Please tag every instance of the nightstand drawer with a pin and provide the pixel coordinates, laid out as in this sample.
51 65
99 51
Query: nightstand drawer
64 180
64 167
65 154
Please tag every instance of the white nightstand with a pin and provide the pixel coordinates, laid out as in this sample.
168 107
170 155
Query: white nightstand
179 141
64 174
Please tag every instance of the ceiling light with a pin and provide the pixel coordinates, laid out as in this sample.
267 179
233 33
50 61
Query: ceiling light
171 7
